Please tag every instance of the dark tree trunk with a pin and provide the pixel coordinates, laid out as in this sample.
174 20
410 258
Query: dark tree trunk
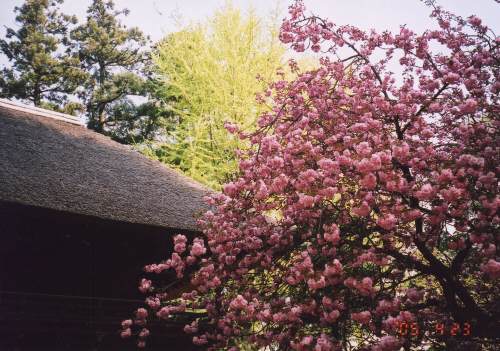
37 96
101 119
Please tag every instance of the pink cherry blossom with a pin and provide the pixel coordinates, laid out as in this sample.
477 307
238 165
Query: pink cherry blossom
362 317
141 313
387 343
364 199
198 249
126 323
491 268
387 222
126 333
144 333
426 192
145 285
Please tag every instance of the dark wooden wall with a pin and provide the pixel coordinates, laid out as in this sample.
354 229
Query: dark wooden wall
67 280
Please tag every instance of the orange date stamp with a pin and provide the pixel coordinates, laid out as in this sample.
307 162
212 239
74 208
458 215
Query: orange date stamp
440 329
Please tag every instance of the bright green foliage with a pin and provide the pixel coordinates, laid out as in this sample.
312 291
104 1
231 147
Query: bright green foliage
113 57
212 71
42 68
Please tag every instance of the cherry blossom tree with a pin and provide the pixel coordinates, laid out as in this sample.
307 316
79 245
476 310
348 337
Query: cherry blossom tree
365 216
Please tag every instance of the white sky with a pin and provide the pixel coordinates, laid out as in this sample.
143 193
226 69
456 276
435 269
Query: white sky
154 17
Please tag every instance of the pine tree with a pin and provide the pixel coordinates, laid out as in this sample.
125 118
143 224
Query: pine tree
42 68
113 57
147 122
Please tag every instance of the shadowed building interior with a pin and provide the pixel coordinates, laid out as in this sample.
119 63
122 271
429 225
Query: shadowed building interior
80 215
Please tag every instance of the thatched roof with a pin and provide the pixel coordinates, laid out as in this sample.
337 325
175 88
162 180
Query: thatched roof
51 160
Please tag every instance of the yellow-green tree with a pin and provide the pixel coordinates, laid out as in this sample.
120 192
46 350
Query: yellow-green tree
212 70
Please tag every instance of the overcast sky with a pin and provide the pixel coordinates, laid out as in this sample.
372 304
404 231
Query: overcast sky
154 17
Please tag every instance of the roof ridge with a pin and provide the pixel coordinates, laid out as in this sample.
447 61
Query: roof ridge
17 106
